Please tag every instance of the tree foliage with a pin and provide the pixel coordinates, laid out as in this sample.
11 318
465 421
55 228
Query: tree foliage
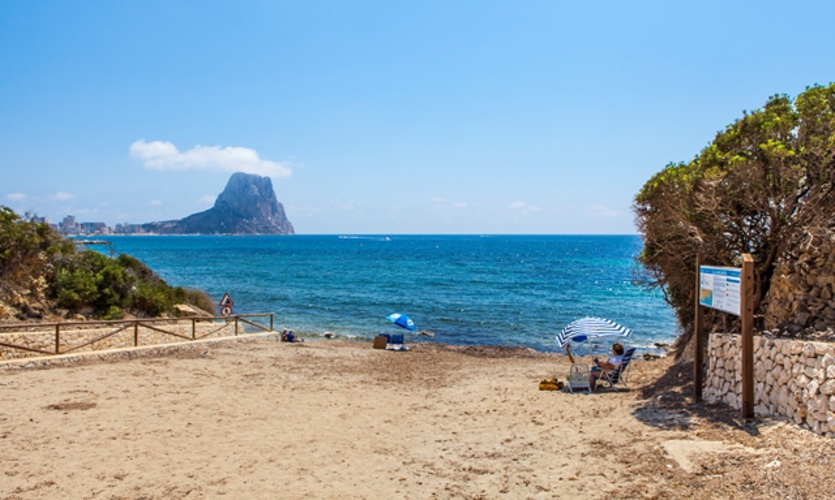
40 269
758 188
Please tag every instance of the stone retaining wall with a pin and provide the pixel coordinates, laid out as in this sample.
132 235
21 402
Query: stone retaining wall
792 378
802 291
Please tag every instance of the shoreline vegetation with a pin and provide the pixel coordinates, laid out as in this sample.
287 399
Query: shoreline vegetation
45 276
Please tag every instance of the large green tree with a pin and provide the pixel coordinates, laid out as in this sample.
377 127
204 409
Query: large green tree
759 188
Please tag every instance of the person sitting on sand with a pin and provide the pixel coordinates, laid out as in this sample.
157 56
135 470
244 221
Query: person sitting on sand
289 336
608 366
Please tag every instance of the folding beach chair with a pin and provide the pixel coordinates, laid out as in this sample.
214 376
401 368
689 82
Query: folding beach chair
396 343
618 376
578 378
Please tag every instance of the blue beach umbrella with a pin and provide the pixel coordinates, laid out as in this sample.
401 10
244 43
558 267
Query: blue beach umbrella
586 328
403 321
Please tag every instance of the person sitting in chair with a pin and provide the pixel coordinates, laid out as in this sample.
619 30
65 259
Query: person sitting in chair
608 366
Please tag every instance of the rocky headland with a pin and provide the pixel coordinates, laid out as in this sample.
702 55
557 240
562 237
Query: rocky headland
247 205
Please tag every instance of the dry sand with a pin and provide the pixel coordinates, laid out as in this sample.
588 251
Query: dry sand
334 419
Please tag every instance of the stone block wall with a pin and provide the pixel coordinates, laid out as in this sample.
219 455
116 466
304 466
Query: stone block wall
792 378
802 291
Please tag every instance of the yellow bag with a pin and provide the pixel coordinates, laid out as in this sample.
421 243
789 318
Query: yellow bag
550 384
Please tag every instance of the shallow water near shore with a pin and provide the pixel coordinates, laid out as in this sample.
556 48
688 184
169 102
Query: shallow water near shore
498 290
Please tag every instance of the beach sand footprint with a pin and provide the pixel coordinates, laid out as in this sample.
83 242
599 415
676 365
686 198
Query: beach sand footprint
71 405
686 452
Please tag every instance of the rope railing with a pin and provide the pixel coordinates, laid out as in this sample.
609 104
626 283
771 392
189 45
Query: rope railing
52 339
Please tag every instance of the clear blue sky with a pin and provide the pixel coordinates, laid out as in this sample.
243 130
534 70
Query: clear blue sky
384 117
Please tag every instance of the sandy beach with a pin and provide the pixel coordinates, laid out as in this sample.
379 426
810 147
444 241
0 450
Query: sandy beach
335 419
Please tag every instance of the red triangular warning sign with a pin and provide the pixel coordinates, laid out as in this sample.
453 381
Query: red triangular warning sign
226 300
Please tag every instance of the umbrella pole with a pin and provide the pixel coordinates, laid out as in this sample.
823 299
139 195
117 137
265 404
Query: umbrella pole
568 351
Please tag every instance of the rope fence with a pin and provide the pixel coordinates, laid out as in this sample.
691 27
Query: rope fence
25 340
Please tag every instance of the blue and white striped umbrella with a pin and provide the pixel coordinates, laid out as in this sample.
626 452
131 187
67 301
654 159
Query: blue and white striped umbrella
403 321
583 329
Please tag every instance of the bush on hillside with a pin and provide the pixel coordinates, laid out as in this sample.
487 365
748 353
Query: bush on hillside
28 252
200 300
760 187
38 265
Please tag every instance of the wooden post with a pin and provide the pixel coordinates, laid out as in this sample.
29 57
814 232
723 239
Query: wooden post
57 339
193 328
136 334
236 325
698 340
746 307
272 317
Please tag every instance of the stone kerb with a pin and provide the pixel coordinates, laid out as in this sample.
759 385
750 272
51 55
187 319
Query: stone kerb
793 379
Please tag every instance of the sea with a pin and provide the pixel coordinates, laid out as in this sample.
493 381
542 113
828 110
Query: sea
518 291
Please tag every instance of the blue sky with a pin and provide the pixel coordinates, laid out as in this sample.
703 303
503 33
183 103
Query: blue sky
384 117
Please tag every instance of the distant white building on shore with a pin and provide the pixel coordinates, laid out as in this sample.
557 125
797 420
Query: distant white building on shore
70 227
128 228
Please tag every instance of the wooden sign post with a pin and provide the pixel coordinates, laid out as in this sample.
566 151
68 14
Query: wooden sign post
747 317
698 339
730 290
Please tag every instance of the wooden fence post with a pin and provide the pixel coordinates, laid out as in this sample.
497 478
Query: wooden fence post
193 328
136 334
747 313
57 339
698 341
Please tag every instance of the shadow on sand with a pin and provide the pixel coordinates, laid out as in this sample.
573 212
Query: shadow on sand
668 403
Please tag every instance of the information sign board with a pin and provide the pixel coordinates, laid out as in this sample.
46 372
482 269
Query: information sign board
719 288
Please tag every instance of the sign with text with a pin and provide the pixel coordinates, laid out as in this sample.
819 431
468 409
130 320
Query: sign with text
719 288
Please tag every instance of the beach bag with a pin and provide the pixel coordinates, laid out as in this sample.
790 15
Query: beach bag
380 342
550 384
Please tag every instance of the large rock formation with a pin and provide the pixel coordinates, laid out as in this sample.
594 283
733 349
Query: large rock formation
247 206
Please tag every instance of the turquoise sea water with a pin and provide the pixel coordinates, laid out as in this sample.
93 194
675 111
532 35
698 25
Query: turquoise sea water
498 290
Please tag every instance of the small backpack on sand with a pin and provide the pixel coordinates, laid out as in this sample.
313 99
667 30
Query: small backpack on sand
550 384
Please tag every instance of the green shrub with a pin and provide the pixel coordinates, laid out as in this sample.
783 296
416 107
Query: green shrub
75 289
32 254
200 300
114 312
27 252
